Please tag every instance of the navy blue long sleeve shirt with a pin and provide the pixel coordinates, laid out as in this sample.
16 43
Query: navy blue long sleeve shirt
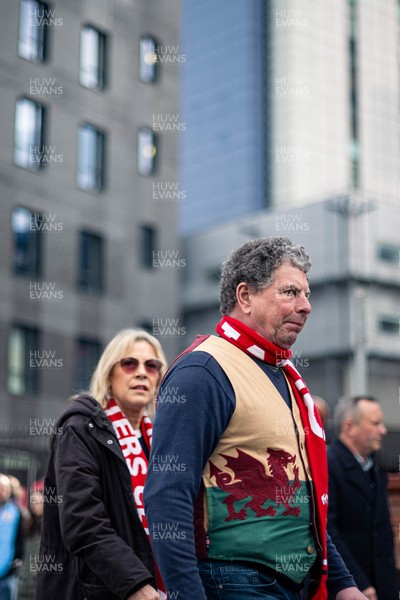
195 404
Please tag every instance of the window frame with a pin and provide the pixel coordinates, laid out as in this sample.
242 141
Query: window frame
389 254
92 171
150 169
81 371
93 76
22 156
34 255
384 324
145 68
148 235
85 281
30 377
37 46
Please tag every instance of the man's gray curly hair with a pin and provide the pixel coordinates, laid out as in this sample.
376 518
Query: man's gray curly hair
255 263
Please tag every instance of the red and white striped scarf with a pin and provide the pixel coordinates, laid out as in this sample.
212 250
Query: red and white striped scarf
256 345
136 461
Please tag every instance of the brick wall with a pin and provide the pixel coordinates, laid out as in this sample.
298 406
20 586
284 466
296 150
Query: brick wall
394 500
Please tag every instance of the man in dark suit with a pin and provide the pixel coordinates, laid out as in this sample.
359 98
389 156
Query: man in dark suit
358 518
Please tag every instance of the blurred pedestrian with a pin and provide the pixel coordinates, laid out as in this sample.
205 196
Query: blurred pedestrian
11 541
19 497
27 581
245 516
18 494
358 518
95 542
323 409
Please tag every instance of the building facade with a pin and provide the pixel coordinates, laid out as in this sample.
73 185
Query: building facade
84 86
222 159
351 342
328 134
287 103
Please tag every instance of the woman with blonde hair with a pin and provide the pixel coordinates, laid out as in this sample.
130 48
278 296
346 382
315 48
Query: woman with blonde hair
95 535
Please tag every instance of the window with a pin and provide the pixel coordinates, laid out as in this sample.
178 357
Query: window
389 253
390 324
147 59
90 169
23 345
91 262
33 30
92 68
87 355
27 243
148 236
146 151
29 134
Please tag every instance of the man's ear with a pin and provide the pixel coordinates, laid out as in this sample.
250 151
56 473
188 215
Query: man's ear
347 427
243 297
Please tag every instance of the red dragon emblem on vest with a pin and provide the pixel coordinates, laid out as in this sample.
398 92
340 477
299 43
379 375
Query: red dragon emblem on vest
252 481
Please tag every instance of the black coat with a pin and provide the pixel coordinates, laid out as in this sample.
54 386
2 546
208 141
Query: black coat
91 529
359 521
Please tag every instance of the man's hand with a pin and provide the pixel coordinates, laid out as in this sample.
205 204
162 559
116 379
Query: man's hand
351 593
146 593
370 593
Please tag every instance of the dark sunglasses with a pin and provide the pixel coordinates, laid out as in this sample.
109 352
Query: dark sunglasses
129 365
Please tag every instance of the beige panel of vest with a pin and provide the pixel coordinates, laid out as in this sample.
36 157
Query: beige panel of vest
261 419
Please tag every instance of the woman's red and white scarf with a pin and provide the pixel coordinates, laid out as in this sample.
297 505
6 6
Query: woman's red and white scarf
254 344
136 461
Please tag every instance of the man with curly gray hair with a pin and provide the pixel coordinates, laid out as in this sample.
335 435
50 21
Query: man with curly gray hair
237 490
255 263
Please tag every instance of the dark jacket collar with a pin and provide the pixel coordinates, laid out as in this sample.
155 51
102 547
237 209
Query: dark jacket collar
345 455
84 404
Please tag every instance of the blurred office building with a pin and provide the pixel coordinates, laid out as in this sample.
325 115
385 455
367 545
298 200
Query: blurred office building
83 86
292 109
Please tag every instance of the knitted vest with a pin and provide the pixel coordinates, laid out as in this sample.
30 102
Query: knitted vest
257 503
